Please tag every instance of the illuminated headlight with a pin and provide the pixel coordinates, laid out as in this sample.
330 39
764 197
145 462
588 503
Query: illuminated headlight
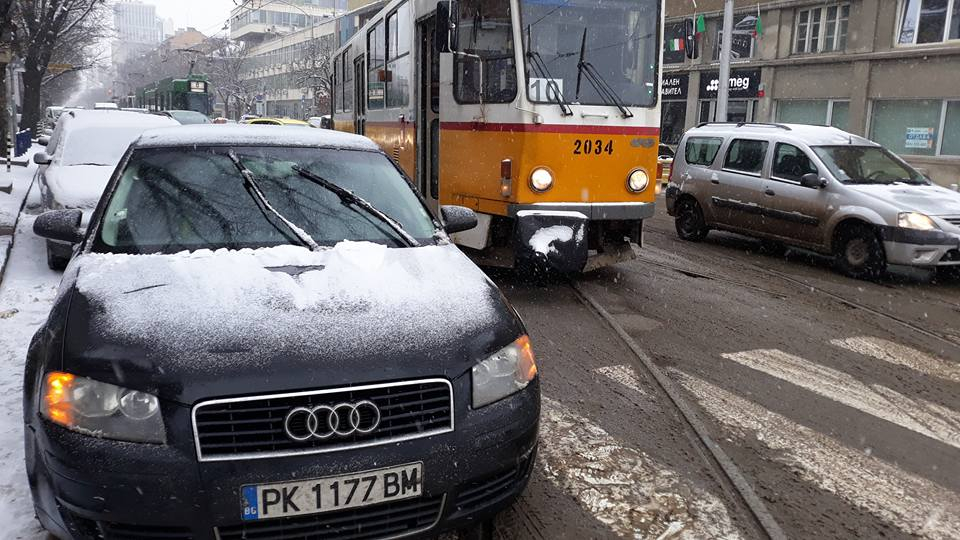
541 179
915 220
100 409
505 372
638 180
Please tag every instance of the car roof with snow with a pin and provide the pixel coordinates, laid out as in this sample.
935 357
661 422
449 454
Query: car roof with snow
801 133
252 135
114 118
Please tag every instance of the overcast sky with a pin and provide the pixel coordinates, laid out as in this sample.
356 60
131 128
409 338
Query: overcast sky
206 16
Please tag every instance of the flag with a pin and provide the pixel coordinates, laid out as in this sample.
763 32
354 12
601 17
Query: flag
701 26
758 30
676 45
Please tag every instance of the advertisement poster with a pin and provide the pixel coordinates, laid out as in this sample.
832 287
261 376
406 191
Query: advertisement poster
920 138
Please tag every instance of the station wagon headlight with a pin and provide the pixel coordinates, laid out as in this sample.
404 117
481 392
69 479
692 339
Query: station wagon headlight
541 179
916 220
505 372
638 180
101 409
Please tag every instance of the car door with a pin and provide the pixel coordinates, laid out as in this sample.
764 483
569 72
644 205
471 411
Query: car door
738 186
791 211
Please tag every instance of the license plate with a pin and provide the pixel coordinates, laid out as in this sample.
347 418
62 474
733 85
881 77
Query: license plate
282 499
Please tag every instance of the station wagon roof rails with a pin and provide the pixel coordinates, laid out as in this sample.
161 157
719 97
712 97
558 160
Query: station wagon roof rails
741 124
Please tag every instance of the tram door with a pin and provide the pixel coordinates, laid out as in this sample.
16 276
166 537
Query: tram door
428 128
360 95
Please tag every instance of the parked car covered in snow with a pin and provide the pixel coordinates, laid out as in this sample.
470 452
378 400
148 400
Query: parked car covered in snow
80 156
265 329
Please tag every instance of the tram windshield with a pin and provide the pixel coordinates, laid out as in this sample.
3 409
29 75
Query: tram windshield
486 35
621 48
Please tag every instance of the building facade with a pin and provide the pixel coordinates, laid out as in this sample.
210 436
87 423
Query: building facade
263 21
885 69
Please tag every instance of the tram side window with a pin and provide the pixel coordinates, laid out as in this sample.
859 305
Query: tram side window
347 84
702 150
338 82
399 32
376 72
485 31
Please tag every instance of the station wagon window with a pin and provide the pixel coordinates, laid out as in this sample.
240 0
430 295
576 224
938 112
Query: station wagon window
485 30
398 57
928 21
745 155
701 150
376 72
791 163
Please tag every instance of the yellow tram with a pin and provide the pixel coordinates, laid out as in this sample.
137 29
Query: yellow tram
541 115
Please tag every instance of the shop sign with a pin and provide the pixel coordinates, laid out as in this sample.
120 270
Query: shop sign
744 84
674 86
920 138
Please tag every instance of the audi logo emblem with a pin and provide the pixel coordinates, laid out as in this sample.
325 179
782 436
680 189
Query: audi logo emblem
325 421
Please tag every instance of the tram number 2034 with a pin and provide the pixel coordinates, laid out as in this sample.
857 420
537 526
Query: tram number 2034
596 147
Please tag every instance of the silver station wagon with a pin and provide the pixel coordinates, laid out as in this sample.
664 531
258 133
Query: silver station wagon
813 187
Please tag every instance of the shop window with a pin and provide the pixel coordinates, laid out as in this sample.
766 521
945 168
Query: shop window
746 156
822 29
928 21
907 127
701 150
840 117
814 112
951 130
673 118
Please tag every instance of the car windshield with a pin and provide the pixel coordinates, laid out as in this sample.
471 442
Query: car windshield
621 43
174 199
98 145
867 165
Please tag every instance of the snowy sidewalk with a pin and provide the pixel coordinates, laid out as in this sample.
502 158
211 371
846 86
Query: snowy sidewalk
11 203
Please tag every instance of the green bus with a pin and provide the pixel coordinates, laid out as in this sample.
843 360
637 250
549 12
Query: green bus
188 94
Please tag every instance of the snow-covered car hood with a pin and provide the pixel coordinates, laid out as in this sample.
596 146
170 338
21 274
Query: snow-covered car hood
208 324
931 200
78 186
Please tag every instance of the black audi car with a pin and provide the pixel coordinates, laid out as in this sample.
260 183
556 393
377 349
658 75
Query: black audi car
264 333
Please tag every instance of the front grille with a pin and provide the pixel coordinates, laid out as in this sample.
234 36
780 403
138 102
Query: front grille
951 256
118 531
253 427
379 521
493 488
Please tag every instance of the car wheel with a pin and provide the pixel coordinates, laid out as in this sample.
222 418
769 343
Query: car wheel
689 221
858 252
54 261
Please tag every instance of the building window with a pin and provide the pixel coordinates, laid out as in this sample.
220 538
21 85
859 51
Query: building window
744 34
673 119
928 21
922 127
673 43
815 112
822 29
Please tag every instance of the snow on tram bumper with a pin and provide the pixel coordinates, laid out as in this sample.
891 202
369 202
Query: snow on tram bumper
578 237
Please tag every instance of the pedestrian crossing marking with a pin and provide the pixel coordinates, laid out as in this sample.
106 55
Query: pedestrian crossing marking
621 486
894 353
913 504
623 375
918 415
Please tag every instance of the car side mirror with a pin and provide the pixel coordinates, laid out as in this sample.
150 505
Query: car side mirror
62 225
43 140
445 34
812 181
457 218
41 158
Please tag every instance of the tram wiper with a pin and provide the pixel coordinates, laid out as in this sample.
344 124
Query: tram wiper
351 199
541 68
606 92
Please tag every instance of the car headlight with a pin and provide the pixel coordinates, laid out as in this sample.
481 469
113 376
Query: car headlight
638 180
541 179
916 220
101 409
505 372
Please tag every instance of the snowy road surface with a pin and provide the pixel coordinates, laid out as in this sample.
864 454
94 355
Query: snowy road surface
841 413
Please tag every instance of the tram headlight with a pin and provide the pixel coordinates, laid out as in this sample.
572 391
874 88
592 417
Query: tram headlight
541 179
638 180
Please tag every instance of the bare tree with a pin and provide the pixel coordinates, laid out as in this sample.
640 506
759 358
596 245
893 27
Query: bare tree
45 27
316 72
6 42
226 66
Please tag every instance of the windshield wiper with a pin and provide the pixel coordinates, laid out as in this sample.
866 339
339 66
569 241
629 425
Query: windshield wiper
351 199
606 92
253 187
541 68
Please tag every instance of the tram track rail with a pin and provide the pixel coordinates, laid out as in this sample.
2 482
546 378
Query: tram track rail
718 459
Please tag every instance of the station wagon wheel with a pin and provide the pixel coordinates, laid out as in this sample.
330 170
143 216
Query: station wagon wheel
858 252
689 221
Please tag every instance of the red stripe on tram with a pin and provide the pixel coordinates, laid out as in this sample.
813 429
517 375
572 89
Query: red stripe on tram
552 128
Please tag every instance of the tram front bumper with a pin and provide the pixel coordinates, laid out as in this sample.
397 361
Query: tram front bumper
561 236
